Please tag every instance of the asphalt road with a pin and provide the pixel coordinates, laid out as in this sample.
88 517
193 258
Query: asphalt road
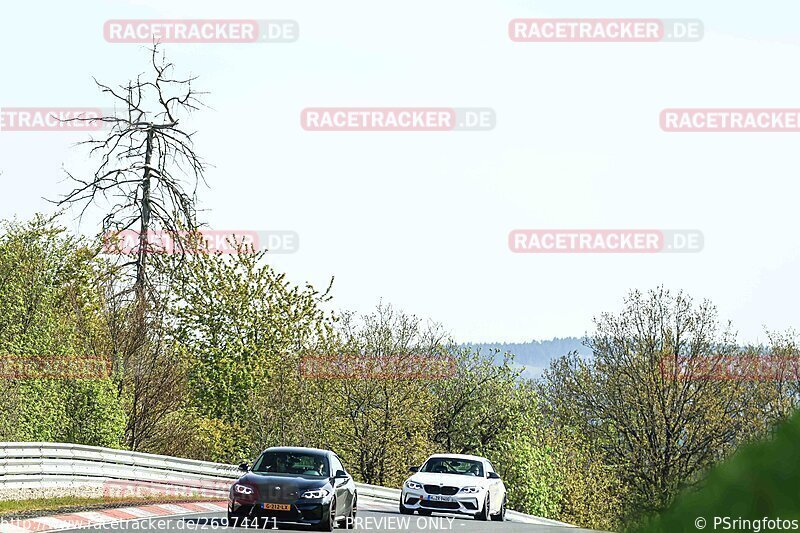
373 515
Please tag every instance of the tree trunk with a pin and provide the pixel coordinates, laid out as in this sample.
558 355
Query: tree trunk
145 221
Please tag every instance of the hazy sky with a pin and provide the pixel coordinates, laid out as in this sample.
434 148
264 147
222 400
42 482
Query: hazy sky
421 219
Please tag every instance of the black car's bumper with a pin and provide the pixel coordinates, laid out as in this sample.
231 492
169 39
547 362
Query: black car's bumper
309 512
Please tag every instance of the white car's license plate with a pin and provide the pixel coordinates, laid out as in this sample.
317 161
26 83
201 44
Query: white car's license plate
437 498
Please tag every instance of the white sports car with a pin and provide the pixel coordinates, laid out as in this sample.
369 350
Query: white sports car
449 483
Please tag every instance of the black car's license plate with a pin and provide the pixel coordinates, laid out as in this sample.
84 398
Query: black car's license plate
276 506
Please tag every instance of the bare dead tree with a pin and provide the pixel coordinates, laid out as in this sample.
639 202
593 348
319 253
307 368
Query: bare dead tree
147 160
148 173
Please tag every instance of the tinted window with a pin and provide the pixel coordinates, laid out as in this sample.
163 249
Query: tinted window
447 465
297 463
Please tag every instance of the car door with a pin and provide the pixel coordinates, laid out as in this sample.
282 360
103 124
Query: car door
344 497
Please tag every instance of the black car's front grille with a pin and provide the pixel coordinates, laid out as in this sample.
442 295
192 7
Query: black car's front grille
439 505
288 516
436 489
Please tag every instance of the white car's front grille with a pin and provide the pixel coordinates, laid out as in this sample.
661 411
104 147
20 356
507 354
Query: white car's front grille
445 490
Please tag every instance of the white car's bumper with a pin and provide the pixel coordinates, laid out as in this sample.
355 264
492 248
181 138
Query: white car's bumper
469 504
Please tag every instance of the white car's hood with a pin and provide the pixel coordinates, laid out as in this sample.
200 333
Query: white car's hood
450 480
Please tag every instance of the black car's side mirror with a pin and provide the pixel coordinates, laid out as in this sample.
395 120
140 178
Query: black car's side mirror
494 475
244 467
413 469
341 474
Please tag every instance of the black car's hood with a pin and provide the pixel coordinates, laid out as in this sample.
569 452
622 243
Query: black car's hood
277 488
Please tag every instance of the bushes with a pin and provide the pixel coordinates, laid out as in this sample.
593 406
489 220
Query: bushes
591 494
530 471
50 307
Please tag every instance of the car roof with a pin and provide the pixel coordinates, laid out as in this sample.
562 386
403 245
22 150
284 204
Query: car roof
298 449
458 456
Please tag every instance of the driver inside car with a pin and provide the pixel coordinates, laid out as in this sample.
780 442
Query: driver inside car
318 470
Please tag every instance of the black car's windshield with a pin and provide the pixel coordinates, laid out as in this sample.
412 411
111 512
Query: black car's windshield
447 465
296 463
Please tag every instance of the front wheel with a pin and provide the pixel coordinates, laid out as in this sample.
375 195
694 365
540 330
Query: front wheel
500 516
329 520
424 512
484 514
350 521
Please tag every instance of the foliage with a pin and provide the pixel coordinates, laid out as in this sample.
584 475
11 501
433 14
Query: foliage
240 326
213 367
521 453
759 481
591 494
660 428
384 418
50 308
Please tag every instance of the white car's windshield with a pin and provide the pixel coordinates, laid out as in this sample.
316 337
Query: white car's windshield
446 465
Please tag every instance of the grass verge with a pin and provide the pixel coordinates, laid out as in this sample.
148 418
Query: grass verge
14 509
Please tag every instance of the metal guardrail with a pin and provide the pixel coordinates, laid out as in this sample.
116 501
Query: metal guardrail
376 491
10 451
73 469
121 472
44 469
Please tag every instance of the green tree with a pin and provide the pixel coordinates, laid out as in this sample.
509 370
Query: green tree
644 401
241 327
477 403
521 452
486 409
51 312
384 412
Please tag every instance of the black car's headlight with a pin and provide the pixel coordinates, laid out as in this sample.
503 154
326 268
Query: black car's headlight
413 485
242 489
315 494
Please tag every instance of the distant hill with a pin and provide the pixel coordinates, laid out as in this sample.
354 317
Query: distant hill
535 356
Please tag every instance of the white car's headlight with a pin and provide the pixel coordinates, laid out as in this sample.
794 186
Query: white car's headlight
471 490
315 494
243 489
413 485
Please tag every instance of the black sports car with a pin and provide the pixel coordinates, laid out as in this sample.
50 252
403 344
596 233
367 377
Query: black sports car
294 486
